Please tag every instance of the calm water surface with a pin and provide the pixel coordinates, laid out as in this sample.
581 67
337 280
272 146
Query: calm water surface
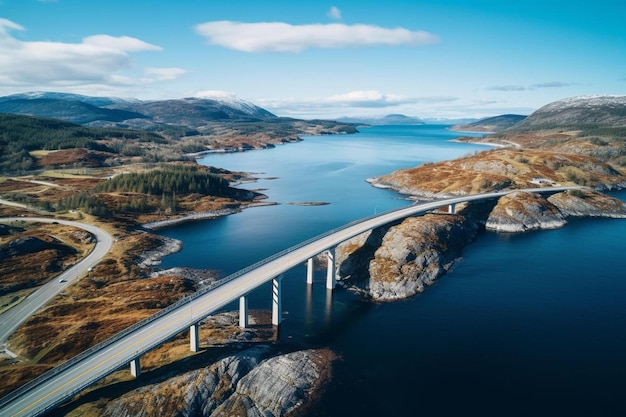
530 324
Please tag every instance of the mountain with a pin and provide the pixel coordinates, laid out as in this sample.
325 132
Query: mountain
490 124
94 101
117 112
444 121
576 113
390 119
68 110
195 112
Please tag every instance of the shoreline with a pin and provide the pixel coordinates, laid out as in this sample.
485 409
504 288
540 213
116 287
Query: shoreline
203 215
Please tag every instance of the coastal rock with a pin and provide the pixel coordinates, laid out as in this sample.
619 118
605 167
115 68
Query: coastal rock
279 385
588 203
520 211
242 384
153 257
411 255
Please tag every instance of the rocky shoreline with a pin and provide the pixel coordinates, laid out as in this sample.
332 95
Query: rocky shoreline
389 263
256 382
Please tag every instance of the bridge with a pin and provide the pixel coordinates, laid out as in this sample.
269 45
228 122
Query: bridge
61 383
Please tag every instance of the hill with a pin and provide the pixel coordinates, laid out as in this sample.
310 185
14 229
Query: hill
577 113
115 112
67 110
490 124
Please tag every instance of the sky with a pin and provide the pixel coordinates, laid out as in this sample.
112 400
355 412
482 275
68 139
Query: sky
313 59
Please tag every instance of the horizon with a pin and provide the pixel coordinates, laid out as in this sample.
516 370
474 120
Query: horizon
430 60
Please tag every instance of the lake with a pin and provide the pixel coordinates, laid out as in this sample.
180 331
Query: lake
525 324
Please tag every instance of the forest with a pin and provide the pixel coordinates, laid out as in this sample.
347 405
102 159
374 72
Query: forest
19 135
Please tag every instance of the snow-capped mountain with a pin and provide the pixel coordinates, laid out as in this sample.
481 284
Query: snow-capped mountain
573 112
111 111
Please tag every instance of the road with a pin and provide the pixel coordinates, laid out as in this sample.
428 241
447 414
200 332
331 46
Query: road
11 319
61 383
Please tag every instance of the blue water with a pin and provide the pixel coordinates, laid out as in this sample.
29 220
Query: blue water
529 324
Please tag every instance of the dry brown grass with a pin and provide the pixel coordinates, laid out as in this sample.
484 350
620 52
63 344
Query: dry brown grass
502 168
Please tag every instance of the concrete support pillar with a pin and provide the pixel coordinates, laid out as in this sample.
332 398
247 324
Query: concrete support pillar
331 276
309 271
194 339
243 311
135 368
276 300
452 208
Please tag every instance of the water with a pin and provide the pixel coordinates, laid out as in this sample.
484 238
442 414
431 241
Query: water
529 324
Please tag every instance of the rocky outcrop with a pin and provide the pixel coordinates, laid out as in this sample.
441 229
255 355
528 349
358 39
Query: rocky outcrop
520 211
247 383
410 256
588 203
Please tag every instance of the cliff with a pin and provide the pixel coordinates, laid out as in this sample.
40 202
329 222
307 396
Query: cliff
401 260
410 255
249 383
520 211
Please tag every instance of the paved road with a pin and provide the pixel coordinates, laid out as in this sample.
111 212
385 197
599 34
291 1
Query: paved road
11 319
63 382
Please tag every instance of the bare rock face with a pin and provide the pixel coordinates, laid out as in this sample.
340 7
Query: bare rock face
520 211
410 256
588 203
278 386
243 384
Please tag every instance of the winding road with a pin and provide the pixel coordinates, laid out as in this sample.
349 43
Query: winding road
11 319
61 383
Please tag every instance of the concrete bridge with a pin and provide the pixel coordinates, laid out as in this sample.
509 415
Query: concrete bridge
61 383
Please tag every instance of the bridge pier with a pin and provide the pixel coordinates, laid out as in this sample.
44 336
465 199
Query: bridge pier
331 275
135 368
452 208
309 271
194 339
276 300
243 311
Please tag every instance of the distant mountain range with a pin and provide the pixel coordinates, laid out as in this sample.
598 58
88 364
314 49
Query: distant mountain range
118 112
391 119
491 124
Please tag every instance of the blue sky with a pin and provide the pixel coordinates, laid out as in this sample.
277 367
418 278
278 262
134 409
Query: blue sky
448 58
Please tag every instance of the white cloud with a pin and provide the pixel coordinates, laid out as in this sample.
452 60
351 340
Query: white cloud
368 98
354 103
164 74
96 60
334 13
284 37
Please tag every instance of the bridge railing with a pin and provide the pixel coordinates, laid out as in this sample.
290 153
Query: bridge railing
181 302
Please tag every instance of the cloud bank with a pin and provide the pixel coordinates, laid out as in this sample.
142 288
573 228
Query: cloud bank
353 103
551 84
284 37
96 60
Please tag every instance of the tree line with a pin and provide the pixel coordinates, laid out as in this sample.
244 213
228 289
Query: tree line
21 134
